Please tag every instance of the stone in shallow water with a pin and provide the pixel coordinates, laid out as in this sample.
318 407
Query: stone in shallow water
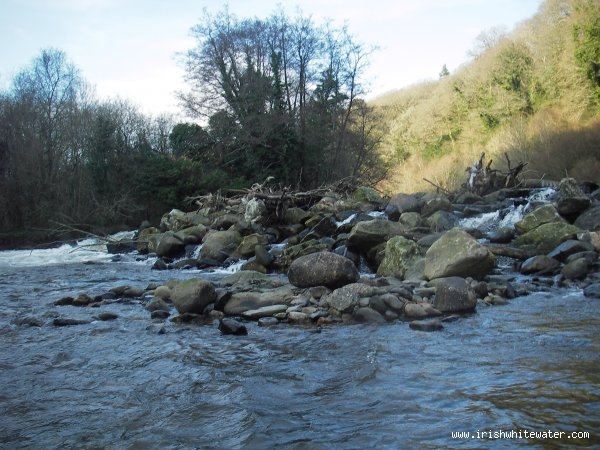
104 316
593 290
267 321
426 325
64 322
232 326
265 311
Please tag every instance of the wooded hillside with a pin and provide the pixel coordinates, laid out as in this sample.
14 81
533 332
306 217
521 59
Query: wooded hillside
533 93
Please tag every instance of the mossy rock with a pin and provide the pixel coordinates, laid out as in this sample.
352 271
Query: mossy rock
400 255
543 214
368 195
546 237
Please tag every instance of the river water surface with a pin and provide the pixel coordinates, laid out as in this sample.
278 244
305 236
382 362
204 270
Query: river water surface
533 364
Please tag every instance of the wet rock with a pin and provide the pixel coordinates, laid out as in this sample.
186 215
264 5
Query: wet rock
433 203
147 240
589 219
245 301
156 304
593 290
192 296
367 234
400 255
64 301
254 210
344 299
590 256
456 253
426 325
254 266
540 216
322 269
546 237
368 195
29 321
263 257
468 198
291 253
220 245
454 294
83 300
540 264
160 314
159 264
265 311
393 302
192 235
170 246
65 322
401 203
571 199
570 247
232 326
297 316
368 315
267 321
576 270
411 219
427 241
420 310
106 316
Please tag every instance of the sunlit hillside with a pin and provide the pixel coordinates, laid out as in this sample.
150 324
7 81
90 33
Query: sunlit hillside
533 94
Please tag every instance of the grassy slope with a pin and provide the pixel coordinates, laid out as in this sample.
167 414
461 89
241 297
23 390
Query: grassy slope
528 96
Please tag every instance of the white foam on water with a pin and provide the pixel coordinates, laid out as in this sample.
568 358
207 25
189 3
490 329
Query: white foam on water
483 222
349 219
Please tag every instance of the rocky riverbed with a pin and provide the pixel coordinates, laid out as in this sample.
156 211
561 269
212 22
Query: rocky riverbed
424 258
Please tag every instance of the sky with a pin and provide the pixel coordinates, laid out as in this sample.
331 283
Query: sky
129 48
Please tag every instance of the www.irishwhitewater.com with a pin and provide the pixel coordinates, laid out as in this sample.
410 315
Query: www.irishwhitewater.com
520 434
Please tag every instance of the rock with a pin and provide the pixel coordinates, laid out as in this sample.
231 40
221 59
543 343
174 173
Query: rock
232 326
147 240
441 221
427 241
542 215
294 216
367 234
456 253
29 321
367 195
571 199
576 270
400 255
593 290
540 264
267 321
265 311
322 269
502 235
568 248
297 316
245 278
401 203
344 299
160 264
254 266
546 237
64 301
590 219
426 325
435 202
193 295
192 235
83 300
454 294
220 245
175 220
105 316
411 219
590 256
160 314
64 322
321 224
246 301
468 198
255 209
368 315
157 304
294 252
420 310
246 247
263 257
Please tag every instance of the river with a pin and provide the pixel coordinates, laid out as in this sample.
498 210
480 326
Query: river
530 365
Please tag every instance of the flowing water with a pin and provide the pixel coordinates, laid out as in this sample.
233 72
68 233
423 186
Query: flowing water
531 365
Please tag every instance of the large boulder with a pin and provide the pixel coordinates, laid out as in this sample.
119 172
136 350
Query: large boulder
540 264
255 209
401 203
369 233
193 234
346 298
192 296
170 245
590 219
219 245
293 252
322 269
454 294
542 215
400 255
571 199
246 247
546 237
435 202
147 240
457 253
241 302
441 221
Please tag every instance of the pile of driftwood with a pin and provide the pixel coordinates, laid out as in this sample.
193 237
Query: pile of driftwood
483 179
276 198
